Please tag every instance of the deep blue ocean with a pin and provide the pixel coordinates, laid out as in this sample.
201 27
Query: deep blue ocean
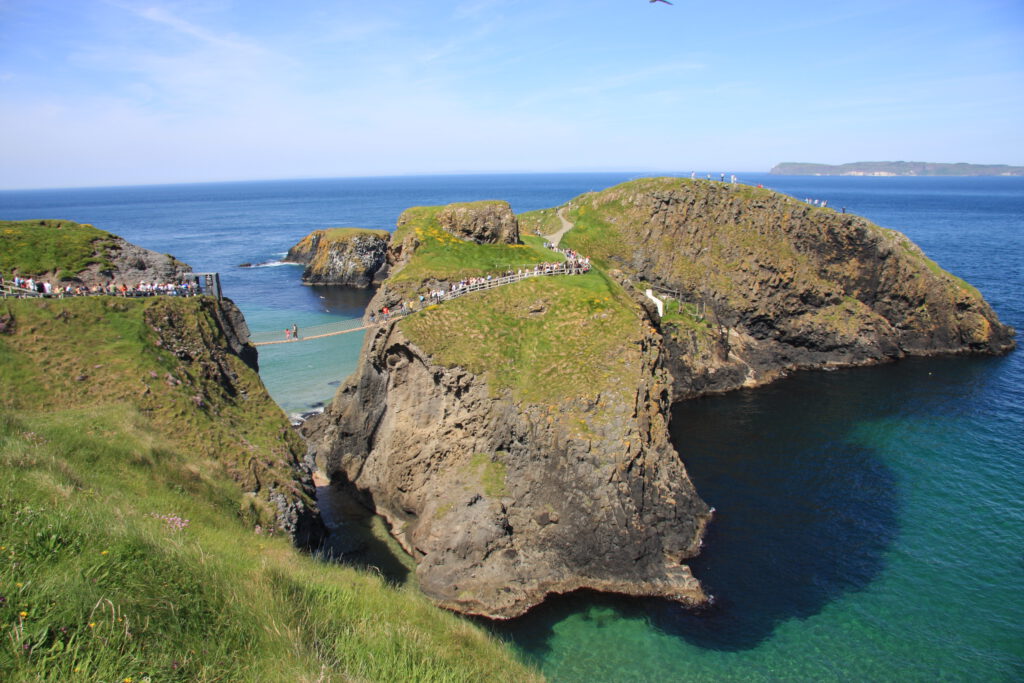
870 521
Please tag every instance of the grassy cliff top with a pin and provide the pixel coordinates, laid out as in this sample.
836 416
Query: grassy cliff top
440 255
547 339
128 545
541 221
33 248
727 229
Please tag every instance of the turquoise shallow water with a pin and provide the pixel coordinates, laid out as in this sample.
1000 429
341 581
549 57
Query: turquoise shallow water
868 527
870 522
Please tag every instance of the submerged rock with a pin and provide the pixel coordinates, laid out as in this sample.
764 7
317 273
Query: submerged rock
342 256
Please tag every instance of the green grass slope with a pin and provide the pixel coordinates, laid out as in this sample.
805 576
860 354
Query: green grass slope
545 338
32 248
128 549
440 255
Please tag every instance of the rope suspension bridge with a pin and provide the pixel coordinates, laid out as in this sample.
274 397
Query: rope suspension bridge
376 319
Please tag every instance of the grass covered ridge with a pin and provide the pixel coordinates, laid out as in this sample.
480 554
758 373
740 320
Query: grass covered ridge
60 248
439 255
127 545
541 221
547 339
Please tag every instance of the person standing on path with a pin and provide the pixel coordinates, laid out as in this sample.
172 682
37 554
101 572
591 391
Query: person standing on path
295 331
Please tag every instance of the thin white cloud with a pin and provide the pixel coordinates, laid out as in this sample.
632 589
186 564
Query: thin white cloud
164 17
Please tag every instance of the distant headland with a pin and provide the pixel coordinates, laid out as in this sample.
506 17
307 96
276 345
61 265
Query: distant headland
896 168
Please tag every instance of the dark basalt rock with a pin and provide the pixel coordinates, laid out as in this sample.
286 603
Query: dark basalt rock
342 256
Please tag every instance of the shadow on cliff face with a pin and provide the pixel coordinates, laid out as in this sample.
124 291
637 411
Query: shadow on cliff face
806 508
357 537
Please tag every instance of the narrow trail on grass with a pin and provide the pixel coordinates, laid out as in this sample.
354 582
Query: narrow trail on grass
556 237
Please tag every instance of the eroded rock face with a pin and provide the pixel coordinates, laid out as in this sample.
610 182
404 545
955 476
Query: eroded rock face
342 256
488 222
502 503
783 285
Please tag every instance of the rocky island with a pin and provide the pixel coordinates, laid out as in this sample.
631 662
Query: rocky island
342 256
510 459
516 439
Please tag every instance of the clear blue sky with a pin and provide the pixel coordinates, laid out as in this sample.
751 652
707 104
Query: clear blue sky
125 92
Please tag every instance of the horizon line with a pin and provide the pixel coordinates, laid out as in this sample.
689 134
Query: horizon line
647 173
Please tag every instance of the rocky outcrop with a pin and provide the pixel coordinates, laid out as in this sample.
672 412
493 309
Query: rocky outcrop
134 264
503 501
483 222
342 256
772 284
64 251
486 222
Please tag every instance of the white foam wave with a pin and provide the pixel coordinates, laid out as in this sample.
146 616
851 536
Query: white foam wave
274 264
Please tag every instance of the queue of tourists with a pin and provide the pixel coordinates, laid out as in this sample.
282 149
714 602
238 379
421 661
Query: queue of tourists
23 287
574 264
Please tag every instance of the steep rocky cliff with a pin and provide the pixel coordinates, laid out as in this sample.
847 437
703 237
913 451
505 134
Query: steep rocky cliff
769 284
511 459
342 256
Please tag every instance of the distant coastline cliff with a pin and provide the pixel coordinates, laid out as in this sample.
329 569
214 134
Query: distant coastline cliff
897 168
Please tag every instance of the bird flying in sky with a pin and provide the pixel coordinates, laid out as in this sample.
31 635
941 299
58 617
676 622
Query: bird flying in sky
664 1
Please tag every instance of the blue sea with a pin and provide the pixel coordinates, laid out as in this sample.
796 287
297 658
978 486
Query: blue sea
870 521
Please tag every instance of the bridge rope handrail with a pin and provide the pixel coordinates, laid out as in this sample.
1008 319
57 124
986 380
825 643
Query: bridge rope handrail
8 288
